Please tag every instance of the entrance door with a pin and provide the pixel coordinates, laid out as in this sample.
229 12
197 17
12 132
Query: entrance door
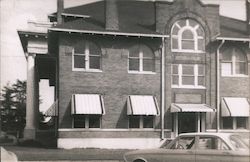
187 122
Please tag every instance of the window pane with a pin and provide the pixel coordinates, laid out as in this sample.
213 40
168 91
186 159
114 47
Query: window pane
134 51
79 121
187 70
187 80
184 143
79 61
201 70
134 64
175 30
201 80
148 65
174 69
174 43
94 49
241 122
187 44
187 34
214 143
147 52
94 62
134 121
227 55
227 123
201 45
240 68
175 80
94 121
240 56
148 122
226 69
200 31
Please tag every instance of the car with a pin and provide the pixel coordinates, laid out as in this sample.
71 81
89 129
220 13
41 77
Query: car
195 147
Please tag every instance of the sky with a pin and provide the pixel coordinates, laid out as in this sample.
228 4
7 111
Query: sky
14 15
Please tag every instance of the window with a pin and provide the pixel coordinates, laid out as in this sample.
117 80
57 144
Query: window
87 121
188 75
187 36
86 57
234 62
141 121
184 143
211 143
234 122
141 59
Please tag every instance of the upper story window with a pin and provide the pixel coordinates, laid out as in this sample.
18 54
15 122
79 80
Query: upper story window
234 62
141 59
86 57
187 36
188 76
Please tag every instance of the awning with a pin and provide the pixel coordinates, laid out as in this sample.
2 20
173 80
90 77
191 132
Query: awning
191 108
87 104
142 105
235 107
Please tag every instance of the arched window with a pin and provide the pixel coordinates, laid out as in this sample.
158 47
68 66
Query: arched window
234 62
187 36
141 59
86 56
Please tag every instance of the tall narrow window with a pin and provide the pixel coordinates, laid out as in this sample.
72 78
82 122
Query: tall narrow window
187 36
141 59
86 56
234 62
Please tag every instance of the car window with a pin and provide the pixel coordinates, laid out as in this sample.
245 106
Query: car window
211 143
238 143
184 143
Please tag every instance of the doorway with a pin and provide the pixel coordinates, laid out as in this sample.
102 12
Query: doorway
187 122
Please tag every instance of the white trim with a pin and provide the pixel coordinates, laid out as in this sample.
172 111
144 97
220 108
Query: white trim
188 87
141 72
234 39
109 33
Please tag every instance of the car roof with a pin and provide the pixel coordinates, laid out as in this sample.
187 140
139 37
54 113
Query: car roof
223 135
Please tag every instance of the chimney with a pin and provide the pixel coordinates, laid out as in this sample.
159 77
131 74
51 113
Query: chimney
60 7
248 15
111 13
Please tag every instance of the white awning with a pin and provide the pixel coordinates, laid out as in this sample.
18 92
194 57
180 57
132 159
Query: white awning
233 106
87 104
191 108
142 105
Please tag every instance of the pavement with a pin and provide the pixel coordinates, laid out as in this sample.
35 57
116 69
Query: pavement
35 154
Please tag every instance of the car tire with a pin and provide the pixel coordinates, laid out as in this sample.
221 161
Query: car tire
139 160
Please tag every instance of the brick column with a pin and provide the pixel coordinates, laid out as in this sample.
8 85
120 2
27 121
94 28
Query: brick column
31 106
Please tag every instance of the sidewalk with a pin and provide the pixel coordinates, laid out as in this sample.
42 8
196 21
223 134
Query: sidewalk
26 154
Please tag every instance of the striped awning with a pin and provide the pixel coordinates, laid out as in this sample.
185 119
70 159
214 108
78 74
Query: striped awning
87 104
234 107
142 105
191 108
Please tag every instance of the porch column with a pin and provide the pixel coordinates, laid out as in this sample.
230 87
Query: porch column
31 101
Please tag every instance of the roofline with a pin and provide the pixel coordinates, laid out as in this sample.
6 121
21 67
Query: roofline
32 33
109 33
234 39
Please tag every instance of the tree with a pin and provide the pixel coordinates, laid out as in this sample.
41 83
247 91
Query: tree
14 107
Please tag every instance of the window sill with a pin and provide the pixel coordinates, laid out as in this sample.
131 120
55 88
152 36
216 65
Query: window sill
189 87
187 51
89 70
235 76
141 72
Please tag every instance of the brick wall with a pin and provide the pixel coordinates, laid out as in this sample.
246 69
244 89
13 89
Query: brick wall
114 82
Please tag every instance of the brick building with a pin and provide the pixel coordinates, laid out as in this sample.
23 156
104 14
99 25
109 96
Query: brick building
128 74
